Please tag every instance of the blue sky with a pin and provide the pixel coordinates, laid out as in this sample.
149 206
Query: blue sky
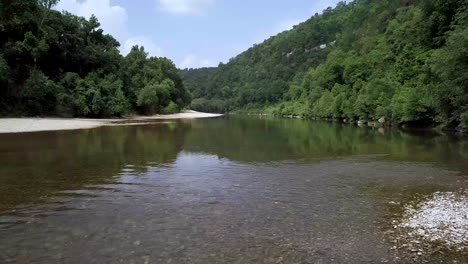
195 33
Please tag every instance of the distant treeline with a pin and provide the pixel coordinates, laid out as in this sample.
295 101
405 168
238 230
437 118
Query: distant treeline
406 60
54 63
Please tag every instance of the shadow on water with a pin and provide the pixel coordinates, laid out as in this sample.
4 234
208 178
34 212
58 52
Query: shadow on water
216 190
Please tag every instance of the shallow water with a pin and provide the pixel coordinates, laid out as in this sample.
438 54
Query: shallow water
223 190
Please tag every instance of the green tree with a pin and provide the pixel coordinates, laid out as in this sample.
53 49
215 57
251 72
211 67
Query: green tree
39 94
148 99
59 64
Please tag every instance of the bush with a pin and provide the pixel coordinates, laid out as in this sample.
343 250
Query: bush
464 120
153 98
99 96
39 94
4 70
148 99
172 108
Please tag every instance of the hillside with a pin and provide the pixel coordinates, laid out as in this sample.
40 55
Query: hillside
404 60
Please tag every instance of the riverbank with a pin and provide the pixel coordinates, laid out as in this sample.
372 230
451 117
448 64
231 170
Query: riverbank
23 125
382 123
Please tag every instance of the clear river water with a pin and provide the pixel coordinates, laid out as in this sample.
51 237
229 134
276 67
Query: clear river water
222 190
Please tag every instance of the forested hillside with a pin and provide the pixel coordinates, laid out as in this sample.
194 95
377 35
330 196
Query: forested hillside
405 60
54 63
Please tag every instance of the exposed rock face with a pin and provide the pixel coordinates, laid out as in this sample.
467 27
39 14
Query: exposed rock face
382 120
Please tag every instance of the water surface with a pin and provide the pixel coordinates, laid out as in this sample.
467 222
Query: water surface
223 190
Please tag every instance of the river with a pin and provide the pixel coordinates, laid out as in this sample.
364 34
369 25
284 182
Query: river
222 190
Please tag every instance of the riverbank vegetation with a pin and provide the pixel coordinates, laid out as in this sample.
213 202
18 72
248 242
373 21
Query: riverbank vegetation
405 60
54 63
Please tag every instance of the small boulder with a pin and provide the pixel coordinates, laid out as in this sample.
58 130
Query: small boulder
382 120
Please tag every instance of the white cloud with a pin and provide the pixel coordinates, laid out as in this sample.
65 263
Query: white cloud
114 21
148 43
113 18
192 61
185 7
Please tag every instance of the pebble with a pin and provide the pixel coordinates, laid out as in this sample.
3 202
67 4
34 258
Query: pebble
442 218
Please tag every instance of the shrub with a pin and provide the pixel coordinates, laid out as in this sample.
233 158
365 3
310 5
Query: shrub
39 94
148 99
172 108
464 120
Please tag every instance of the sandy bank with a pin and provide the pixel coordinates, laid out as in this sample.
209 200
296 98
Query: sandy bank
186 115
21 125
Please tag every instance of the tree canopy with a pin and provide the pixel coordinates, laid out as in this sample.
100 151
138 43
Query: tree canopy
54 63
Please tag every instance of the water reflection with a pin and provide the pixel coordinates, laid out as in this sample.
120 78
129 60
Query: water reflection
34 166
219 190
267 140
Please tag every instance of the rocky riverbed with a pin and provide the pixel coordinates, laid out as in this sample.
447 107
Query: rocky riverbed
438 223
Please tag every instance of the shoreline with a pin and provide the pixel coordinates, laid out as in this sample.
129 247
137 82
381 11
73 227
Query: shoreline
26 125
368 124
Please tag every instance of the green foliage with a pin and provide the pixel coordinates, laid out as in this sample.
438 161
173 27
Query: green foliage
155 98
210 106
158 74
48 3
450 64
197 80
172 108
98 96
261 75
403 60
464 119
148 98
4 70
38 94
59 64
